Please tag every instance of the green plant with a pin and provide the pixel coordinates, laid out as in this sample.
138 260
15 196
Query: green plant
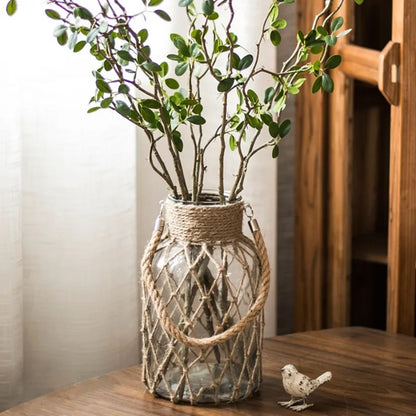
165 99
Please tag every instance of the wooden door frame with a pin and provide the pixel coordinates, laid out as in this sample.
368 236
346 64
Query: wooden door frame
323 179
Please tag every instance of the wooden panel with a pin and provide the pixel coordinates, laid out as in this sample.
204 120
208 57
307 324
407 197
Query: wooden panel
371 376
402 219
339 186
359 63
309 194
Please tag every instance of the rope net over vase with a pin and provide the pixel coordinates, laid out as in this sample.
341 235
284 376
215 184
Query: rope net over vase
204 288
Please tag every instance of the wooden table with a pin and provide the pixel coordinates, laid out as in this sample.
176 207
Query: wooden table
374 373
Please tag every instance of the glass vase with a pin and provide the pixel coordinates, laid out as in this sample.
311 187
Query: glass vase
204 288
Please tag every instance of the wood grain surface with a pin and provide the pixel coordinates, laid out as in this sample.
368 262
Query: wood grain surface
401 303
374 373
310 180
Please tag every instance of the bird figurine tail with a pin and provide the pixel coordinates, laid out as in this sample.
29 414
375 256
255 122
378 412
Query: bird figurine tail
323 378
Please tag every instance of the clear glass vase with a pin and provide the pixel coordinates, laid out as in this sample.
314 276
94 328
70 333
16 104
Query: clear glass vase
204 278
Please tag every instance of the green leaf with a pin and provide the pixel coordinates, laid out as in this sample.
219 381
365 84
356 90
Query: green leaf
79 46
125 55
245 62
92 35
327 83
279 24
63 39
275 151
197 35
11 7
274 11
103 27
310 38
93 109
103 85
163 15
284 128
316 50
333 61
337 23
83 13
52 14
252 96
155 2
172 83
97 75
317 85
123 89
196 119
299 82
345 32
293 90
73 40
225 84
59 30
254 122
322 31
177 141
233 143
152 66
108 66
106 102
181 68
269 94
266 118
197 109
359 2
194 50
180 44
274 129
317 65
185 3
176 58
331 40
275 37
235 61
148 115
208 7
143 35
123 108
149 103
280 102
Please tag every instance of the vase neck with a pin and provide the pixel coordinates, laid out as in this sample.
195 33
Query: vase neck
204 223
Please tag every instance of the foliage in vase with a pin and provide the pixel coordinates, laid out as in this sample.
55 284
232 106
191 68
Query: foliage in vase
164 98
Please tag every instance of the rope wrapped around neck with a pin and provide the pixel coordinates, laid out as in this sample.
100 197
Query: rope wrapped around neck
202 223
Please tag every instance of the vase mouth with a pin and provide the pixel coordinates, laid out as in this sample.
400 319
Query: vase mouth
207 198
206 221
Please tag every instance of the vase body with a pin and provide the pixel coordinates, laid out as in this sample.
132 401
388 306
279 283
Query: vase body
205 277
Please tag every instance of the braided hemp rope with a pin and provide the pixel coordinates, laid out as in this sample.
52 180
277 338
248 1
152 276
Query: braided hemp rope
160 307
202 224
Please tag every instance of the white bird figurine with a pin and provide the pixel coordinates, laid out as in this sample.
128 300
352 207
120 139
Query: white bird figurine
300 386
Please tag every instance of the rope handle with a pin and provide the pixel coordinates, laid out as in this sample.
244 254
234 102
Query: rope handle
167 323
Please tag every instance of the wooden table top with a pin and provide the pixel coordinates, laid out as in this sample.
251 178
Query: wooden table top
374 373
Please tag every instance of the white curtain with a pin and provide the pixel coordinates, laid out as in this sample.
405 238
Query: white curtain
68 257
77 204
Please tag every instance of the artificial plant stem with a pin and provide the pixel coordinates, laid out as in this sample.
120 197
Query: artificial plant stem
225 108
172 149
164 173
233 193
176 160
222 150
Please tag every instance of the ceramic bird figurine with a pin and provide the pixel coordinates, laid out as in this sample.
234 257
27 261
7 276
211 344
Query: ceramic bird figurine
300 386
